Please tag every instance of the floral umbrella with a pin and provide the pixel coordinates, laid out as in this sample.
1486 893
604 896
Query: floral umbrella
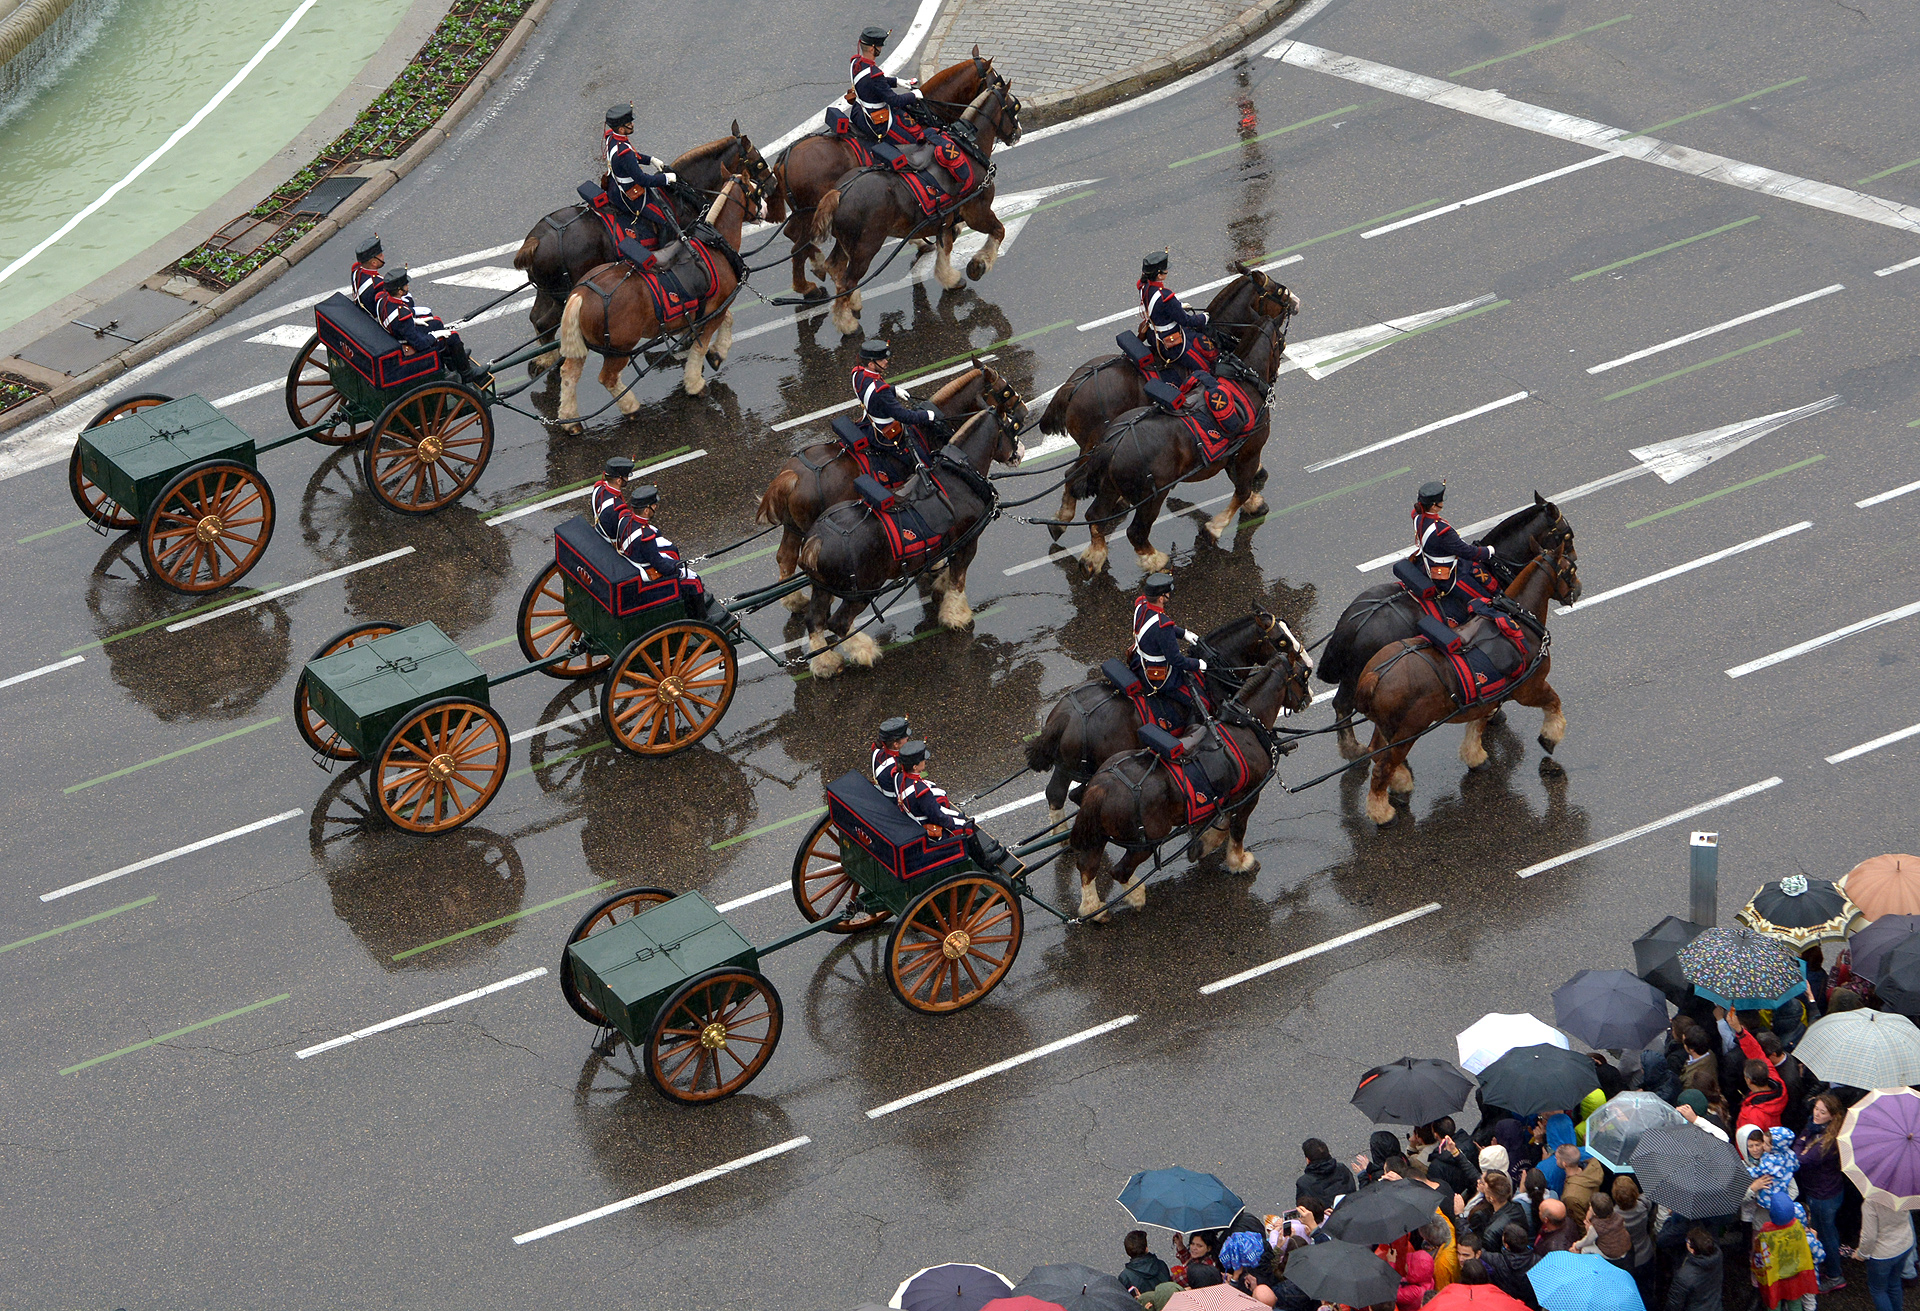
1801 912
1742 969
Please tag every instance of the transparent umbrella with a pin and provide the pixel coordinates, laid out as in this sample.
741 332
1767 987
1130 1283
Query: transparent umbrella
1614 1130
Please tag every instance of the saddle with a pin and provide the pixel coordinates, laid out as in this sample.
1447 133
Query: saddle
1216 417
916 517
937 172
1206 764
840 123
876 461
1139 354
594 196
677 276
1150 708
1486 656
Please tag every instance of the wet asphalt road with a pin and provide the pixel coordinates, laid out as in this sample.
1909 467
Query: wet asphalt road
217 1169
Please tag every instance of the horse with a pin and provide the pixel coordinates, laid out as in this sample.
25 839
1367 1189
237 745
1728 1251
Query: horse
814 164
1093 723
561 248
1404 697
1385 612
1144 454
819 477
1132 801
619 315
847 555
875 204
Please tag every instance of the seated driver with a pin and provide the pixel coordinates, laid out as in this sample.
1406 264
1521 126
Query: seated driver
927 803
639 541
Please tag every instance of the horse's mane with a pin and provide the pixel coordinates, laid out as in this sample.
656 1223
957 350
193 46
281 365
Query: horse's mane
1234 625
1220 296
953 69
1514 522
952 389
701 153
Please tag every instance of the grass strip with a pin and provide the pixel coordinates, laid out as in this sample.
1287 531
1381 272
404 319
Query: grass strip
584 482
966 355
1914 424
1660 250
1487 63
1247 141
1871 177
805 674
1382 345
1324 496
1714 496
168 1037
123 634
78 924
504 919
171 755
815 813
488 646
1713 109
1691 368
739 559
561 759
47 532
1312 241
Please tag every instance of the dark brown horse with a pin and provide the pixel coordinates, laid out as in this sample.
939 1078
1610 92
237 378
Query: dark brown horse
819 477
1408 687
847 555
815 164
1093 723
1133 802
875 204
569 242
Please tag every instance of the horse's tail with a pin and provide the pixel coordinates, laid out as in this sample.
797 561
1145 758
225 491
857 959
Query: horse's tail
1054 421
573 346
1336 662
528 249
1044 750
773 505
1089 831
823 215
810 554
1084 481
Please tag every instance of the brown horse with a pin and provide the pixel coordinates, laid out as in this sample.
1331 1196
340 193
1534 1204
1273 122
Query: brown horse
1408 687
567 243
819 477
1145 454
812 166
875 204
1133 802
612 310
847 555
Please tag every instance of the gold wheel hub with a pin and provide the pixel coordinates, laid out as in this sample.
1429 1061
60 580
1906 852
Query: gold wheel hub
714 1036
672 687
431 448
956 944
440 768
209 528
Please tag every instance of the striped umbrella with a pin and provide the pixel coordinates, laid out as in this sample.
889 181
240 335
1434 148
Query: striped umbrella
1880 1147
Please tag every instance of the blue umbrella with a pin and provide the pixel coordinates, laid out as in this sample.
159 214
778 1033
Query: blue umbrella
1181 1200
1586 1281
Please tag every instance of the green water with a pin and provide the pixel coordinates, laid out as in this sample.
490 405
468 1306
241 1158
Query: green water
87 121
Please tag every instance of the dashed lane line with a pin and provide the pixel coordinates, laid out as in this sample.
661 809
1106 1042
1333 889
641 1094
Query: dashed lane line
1825 640
1685 338
152 624
1379 926
1001 1067
1895 268
764 829
263 597
78 924
1661 250
1484 196
1435 426
422 1013
1541 45
1715 557
1579 853
43 669
1886 172
1714 109
658 466
1324 496
1912 730
177 1033
652 1194
1314 241
1888 495
1726 491
504 919
175 854
1703 364
171 755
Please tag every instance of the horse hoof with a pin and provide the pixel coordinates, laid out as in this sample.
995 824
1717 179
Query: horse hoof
1497 718
714 359
976 269
1545 745
1260 479
1380 810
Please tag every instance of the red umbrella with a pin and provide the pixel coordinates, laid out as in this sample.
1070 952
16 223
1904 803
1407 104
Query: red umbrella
1473 1297
1020 1303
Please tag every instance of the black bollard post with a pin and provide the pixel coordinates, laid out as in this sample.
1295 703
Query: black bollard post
1703 881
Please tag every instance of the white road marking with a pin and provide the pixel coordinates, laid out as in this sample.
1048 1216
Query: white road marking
291 335
1586 132
552 724
1134 312
1324 356
1012 806
187 850
1418 432
1058 553
1897 268
1718 327
1510 188
1858 505
43 669
489 277
1824 640
578 492
248 393
497 312
1578 853
1379 926
935 376
1875 745
1001 1067
422 1013
1688 567
916 33
289 589
1327 695
651 1194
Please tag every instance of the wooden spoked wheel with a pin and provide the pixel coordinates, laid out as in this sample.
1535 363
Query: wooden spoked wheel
312 398
441 765
668 689
317 731
954 943
713 1036
429 448
617 909
94 503
821 884
545 629
210 525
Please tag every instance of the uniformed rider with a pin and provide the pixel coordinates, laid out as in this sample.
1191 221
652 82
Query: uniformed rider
895 426
364 280
634 181
879 99
928 803
1157 659
1178 339
608 499
420 329
886 756
1456 566
636 538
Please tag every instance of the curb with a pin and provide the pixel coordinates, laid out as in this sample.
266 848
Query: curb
362 199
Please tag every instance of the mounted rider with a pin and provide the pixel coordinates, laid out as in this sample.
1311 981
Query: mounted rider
634 184
1456 566
1156 658
886 756
635 537
1176 332
885 108
364 278
927 803
420 329
895 427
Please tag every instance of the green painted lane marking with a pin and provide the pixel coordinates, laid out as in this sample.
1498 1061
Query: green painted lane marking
768 828
226 598
964 355
1542 46
1718 359
1914 424
560 759
1247 141
1382 345
504 919
22 541
805 674
1324 496
1713 109
78 924
168 1037
584 482
171 755
1712 496
488 646
1871 177
1061 200
739 559
1660 250
1311 241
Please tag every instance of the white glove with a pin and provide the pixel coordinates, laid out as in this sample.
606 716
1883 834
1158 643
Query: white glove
1190 635
1203 317
672 177
917 94
1202 664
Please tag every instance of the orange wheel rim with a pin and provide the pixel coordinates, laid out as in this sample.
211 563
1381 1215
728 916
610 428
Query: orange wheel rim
661 703
423 458
825 885
444 768
715 1039
956 946
212 529
548 630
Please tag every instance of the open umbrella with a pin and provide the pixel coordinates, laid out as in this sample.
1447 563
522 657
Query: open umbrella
1343 1273
1382 1212
953 1287
1654 954
1884 885
1412 1090
1868 949
1614 1130
1880 1147
1610 1008
1739 968
1862 1049
1490 1037
1801 912
1179 1199
1076 1288
1529 1080
1220 1297
1569 1281
1898 978
1699 1176
1021 1302
1473 1297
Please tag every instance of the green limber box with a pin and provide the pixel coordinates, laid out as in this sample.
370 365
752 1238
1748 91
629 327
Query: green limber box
133 458
628 971
365 690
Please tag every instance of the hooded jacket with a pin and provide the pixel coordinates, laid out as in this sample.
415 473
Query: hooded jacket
1325 1180
1696 1284
1380 1147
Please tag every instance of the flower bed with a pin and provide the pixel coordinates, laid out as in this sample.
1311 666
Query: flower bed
15 391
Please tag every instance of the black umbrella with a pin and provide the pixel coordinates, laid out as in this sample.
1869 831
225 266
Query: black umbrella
1412 1090
1898 981
1701 1177
1382 1212
953 1287
1870 946
1342 1273
1653 954
1610 1008
1075 1288
1529 1080
1801 912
